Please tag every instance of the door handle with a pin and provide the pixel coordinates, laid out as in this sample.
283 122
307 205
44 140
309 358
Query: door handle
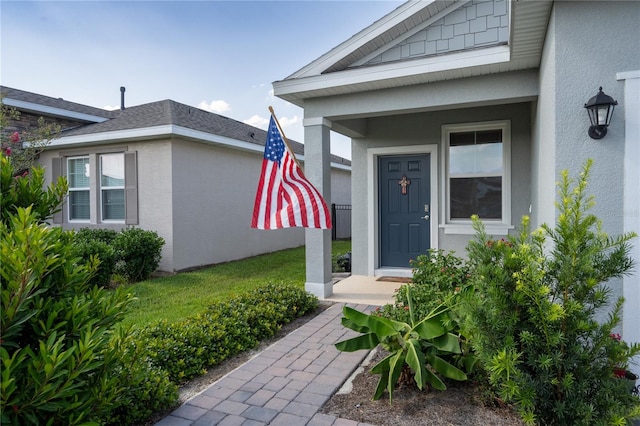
425 217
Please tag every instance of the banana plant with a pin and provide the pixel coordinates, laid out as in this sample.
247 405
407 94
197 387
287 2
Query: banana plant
416 345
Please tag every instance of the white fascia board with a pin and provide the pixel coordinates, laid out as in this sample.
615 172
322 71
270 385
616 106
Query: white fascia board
450 62
47 110
345 48
163 131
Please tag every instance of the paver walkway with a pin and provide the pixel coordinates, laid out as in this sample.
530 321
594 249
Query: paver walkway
286 384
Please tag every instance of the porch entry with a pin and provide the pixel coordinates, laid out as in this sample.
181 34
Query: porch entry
405 208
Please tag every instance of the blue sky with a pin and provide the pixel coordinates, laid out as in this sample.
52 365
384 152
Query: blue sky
219 55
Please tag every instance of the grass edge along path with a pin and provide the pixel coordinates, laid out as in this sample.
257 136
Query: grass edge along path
184 294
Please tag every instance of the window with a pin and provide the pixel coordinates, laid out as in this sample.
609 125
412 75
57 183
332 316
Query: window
78 177
103 187
112 187
477 176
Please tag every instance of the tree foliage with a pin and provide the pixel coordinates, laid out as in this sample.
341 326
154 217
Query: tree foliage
533 318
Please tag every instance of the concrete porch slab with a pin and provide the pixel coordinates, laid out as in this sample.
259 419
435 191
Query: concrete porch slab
362 289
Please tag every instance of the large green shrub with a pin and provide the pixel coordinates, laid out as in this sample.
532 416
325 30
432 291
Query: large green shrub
533 316
138 253
57 362
87 249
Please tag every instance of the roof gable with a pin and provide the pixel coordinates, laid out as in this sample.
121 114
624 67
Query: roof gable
464 25
425 41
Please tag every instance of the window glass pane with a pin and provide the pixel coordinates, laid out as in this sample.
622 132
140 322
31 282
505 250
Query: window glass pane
481 196
113 204
79 205
483 159
112 170
78 172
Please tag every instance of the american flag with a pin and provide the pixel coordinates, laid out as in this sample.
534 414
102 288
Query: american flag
285 198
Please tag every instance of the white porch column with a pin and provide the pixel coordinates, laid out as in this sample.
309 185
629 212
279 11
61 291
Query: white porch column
317 168
631 283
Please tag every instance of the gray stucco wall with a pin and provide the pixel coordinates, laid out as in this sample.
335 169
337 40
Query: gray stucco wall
340 186
425 128
589 52
587 44
213 195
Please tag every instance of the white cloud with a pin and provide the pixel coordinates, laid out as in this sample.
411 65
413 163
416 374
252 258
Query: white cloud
257 121
111 107
215 106
288 122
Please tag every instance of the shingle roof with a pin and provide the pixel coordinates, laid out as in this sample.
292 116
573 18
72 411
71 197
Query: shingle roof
155 114
48 101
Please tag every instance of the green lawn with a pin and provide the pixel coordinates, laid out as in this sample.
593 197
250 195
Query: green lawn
176 297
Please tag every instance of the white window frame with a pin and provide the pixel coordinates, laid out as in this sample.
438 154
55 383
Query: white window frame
464 226
101 188
76 189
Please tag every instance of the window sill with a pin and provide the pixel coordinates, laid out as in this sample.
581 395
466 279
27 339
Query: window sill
467 229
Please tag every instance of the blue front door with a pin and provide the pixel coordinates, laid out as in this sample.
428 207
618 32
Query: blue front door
404 188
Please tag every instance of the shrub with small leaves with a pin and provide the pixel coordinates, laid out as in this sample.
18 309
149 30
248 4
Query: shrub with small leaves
533 318
138 253
185 349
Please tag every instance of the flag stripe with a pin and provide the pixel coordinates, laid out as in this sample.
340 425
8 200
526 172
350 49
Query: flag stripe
285 198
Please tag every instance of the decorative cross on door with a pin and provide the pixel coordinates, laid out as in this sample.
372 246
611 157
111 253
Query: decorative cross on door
404 183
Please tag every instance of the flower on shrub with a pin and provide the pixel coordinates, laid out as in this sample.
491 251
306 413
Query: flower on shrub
15 137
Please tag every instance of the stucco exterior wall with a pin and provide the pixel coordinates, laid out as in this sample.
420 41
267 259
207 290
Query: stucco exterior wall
155 191
581 67
543 148
214 191
588 54
340 186
425 129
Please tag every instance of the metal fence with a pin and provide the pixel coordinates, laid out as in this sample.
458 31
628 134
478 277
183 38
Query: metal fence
341 221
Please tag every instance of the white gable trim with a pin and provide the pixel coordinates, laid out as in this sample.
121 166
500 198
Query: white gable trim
391 71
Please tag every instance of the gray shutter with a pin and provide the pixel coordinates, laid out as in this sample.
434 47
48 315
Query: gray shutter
56 172
131 188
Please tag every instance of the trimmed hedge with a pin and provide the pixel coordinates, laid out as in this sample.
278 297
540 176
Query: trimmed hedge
185 349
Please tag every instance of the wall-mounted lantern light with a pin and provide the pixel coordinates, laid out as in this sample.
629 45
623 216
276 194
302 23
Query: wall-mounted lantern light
600 109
